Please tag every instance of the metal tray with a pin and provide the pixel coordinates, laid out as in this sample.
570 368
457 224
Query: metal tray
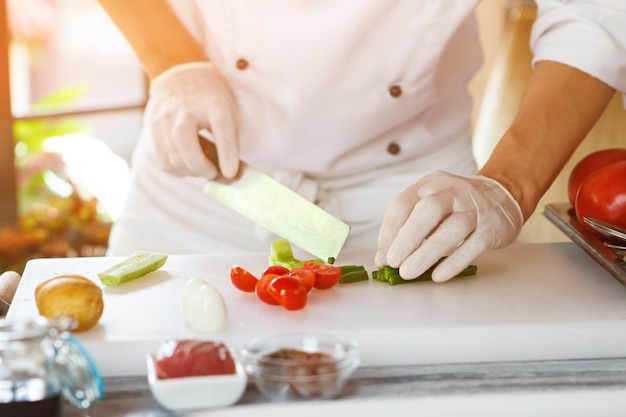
613 260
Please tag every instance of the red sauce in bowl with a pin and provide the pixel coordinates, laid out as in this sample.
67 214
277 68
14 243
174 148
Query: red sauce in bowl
185 358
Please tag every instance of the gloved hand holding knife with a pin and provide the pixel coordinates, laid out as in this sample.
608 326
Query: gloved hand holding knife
193 133
184 100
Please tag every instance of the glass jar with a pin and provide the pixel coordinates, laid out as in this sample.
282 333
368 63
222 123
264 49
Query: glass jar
40 362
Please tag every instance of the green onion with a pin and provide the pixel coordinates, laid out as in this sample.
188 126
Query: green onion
354 276
396 279
289 264
316 260
392 275
351 268
281 250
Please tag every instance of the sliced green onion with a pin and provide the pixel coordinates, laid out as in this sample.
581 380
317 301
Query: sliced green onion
392 275
351 268
427 275
354 276
281 250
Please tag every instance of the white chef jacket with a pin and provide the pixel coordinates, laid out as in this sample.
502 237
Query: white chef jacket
348 102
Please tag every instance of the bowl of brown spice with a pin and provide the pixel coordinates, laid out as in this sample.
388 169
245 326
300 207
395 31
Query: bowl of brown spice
300 366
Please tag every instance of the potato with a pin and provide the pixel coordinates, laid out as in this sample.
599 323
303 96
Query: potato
74 296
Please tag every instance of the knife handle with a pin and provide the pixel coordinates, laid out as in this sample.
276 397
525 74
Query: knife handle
208 147
209 150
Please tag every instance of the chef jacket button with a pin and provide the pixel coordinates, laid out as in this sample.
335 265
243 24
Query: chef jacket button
393 148
395 91
242 64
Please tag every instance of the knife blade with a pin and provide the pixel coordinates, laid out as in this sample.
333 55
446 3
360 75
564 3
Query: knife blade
277 208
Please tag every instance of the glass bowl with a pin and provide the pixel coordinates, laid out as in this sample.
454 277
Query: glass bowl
300 366
185 394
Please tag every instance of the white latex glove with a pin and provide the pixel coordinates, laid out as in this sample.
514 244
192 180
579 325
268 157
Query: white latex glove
184 100
446 215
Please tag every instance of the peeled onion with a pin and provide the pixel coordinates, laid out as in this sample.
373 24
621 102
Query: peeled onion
203 306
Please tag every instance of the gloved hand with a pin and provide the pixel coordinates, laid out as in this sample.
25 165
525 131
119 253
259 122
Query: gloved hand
183 100
446 215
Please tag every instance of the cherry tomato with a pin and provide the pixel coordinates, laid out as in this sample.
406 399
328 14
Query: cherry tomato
305 275
275 270
190 357
242 279
326 276
262 290
603 196
588 165
288 291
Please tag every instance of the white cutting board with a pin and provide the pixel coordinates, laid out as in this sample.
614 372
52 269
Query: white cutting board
528 302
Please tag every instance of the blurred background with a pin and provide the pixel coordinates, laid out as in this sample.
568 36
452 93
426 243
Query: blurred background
71 101
72 97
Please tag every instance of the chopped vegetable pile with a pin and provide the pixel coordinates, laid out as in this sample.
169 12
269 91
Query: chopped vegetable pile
287 280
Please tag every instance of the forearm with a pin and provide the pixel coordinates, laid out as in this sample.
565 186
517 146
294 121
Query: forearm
154 32
559 107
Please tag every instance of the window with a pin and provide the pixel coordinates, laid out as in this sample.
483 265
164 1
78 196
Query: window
65 72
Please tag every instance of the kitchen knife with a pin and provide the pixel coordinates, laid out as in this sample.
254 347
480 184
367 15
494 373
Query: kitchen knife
280 210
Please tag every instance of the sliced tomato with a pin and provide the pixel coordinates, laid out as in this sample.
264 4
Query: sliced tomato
262 290
288 291
603 196
588 165
275 270
242 279
305 275
326 276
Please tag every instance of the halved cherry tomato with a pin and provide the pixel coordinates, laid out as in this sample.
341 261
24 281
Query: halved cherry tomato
305 275
288 291
275 270
326 276
242 279
262 290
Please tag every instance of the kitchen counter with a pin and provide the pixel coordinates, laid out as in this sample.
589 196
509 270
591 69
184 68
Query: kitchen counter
556 387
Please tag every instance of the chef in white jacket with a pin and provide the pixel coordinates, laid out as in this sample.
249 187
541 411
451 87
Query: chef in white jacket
360 106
